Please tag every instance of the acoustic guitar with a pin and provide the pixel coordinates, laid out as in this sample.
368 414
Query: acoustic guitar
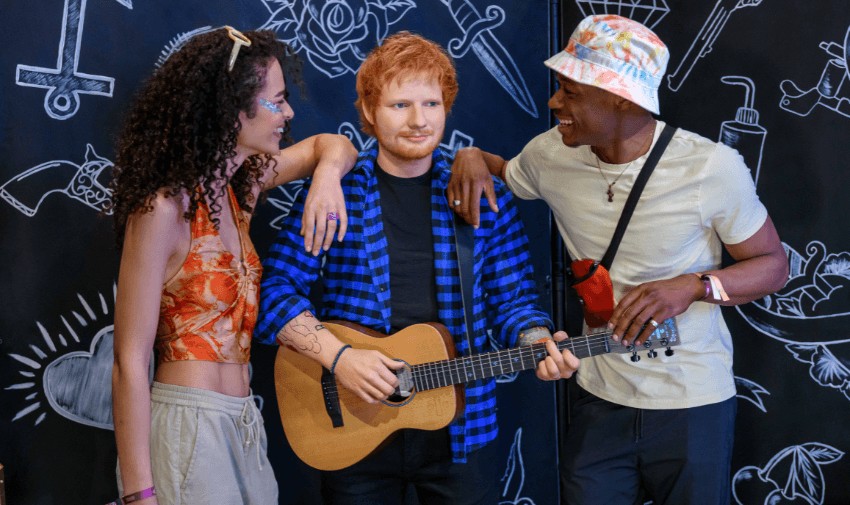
330 427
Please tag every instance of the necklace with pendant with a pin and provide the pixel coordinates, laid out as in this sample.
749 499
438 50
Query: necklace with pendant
610 191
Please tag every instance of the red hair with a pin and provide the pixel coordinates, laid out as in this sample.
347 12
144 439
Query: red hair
400 57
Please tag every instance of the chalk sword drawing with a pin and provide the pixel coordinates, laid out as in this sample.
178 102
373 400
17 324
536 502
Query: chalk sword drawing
627 8
27 190
701 46
826 92
495 58
744 133
792 473
514 477
64 83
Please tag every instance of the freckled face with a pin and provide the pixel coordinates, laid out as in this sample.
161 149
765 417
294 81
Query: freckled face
262 133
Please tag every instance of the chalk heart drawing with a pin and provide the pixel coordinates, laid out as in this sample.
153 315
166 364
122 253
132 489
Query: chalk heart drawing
514 477
78 385
793 475
336 34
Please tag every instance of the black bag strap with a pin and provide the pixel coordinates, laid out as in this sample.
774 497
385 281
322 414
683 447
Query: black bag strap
465 245
634 196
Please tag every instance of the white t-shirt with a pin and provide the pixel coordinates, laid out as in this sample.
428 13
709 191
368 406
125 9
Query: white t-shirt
700 193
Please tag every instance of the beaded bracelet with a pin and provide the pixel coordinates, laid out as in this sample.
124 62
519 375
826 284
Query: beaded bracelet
338 354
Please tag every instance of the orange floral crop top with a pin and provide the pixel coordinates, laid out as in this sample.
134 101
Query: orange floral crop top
209 308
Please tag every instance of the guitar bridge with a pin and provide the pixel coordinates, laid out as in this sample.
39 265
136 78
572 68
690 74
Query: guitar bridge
331 397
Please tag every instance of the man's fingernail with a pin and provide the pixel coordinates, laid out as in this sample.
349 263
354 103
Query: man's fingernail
615 337
610 326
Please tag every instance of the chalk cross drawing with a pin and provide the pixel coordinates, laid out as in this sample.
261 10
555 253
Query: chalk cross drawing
64 83
647 12
27 190
477 35
827 92
701 46
794 472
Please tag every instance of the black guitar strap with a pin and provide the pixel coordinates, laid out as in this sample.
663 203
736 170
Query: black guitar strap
465 244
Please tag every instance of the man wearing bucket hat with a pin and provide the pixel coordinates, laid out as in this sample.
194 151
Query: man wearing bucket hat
664 425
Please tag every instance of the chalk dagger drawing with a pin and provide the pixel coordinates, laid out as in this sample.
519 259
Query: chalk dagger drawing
794 473
336 34
744 133
514 477
827 92
64 83
701 46
647 12
495 58
27 190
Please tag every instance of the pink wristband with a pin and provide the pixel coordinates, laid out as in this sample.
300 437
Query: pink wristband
707 284
140 495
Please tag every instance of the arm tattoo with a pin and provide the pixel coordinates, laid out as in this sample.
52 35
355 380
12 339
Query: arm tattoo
300 336
532 335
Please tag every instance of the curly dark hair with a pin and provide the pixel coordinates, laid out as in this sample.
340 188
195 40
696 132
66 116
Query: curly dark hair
183 125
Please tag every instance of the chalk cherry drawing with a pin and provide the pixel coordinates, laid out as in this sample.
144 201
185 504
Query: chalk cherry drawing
828 367
476 34
647 12
514 477
64 83
827 92
744 133
750 391
27 190
336 34
701 46
794 473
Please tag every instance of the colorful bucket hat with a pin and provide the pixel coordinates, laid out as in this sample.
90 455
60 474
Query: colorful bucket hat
616 54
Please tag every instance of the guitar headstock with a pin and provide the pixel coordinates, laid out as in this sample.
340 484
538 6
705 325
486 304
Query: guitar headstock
663 338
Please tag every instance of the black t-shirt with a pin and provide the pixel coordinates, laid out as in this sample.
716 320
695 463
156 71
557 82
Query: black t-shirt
406 214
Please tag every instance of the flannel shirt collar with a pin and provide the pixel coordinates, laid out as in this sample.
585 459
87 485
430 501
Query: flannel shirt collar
441 164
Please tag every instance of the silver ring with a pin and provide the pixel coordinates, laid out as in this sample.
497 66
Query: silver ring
653 322
455 202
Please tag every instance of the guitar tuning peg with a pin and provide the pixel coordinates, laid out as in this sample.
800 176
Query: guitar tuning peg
635 358
668 352
652 354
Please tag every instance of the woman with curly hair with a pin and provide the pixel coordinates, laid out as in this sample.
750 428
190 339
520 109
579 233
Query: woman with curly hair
198 146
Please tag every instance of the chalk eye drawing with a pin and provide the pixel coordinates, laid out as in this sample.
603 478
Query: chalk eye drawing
514 477
64 83
750 391
794 473
336 34
701 46
827 92
27 190
744 133
477 35
647 12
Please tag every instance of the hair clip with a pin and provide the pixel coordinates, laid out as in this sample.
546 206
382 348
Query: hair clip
239 40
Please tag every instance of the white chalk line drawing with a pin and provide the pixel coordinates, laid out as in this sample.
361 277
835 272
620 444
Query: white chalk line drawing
27 190
514 477
336 34
744 133
179 41
750 391
793 473
64 83
826 92
478 36
701 45
647 12
827 369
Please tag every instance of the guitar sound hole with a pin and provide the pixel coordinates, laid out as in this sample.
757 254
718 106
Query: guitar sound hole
405 388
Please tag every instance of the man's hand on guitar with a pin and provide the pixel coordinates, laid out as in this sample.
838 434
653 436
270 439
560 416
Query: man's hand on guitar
367 374
559 364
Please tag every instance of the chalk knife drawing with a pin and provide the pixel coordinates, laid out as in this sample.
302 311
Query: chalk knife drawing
27 190
793 473
64 83
701 46
827 92
495 58
647 12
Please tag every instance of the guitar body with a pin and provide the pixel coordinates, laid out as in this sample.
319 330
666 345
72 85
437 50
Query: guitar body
366 427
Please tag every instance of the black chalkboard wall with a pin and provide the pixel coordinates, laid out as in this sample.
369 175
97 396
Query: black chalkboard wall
783 59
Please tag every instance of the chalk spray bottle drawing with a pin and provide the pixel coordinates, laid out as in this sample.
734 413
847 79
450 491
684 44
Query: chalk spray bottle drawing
744 133
647 12
827 92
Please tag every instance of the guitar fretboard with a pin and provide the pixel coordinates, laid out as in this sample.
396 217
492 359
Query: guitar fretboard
482 366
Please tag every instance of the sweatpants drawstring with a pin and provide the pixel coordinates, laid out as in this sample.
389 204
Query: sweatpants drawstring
250 419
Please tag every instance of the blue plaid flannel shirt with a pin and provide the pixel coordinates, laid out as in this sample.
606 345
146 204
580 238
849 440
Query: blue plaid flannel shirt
357 286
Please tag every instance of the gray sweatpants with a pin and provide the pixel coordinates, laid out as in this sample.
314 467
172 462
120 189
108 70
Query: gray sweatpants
207 448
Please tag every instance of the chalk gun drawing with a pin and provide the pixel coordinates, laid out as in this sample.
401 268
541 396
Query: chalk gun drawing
514 477
477 35
336 34
827 92
647 12
27 190
744 133
750 391
701 46
794 473
64 83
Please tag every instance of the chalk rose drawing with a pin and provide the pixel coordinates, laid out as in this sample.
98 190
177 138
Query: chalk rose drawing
336 35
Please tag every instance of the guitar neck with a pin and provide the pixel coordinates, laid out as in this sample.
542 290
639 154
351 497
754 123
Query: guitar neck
482 366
